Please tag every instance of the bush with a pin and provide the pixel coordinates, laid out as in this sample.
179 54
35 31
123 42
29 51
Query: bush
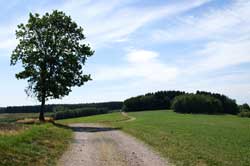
64 113
108 105
244 110
151 101
197 103
244 107
244 113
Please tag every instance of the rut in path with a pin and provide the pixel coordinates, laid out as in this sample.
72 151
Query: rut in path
94 145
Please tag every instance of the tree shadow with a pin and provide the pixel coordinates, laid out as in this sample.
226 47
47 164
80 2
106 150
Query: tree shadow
87 129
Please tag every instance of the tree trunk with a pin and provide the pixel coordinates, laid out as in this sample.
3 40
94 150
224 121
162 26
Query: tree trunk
41 117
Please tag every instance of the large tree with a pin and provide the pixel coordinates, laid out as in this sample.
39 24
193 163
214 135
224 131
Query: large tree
52 51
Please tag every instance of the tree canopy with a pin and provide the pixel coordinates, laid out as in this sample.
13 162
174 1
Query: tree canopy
183 102
197 103
52 51
151 101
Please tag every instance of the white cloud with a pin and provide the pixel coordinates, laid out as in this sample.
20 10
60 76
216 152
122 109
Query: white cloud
223 34
225 22
141 56
218 55
103 22
126 21
141 64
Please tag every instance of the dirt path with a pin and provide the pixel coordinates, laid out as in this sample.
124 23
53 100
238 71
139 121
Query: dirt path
130 118
95 145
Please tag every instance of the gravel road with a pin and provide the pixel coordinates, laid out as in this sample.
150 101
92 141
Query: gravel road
95 145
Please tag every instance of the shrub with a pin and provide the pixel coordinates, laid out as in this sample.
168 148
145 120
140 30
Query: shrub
64 113
244 113
244 107
197 103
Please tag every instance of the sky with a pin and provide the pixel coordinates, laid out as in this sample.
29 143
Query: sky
142 46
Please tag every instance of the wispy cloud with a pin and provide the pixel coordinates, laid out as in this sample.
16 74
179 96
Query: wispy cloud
140 64
215 24
114 21
104 22
7 37
223 35
222 54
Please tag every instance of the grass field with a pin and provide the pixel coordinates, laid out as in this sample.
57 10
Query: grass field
104 118
12 117
187 139
29 145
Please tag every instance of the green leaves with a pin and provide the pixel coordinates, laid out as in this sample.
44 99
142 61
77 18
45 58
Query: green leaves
51 54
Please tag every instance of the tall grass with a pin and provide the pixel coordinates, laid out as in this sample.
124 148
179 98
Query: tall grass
39 145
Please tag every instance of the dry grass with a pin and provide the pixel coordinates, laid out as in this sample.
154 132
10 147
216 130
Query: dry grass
11 129
35 120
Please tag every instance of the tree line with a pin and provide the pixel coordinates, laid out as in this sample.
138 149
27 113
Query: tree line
197 103
229 106
50 108
151 101
65 113
183 102
179 101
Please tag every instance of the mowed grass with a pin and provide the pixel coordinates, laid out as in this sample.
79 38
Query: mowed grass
104 118
35 145
187 139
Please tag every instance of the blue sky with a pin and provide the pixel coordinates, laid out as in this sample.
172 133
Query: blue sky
143 46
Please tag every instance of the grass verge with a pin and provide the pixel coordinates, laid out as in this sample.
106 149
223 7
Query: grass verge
12 117
39 145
